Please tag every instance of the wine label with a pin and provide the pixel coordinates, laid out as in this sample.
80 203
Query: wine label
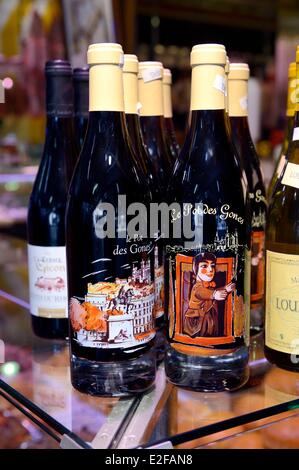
117 314
257 265
150 74
219 83
207 307
244 102
282 302
296 134
291 175
48 281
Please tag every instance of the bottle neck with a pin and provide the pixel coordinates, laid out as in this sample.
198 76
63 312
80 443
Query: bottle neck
210 122
59 95
81 90
150 97
167 103
291 97
130 92
59 127
106 88
238 98
207 87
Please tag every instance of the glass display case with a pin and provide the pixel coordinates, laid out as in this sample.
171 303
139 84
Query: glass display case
35 384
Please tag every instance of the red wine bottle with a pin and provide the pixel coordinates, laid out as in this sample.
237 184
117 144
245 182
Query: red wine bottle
110 270
150 93
207 253
46 214
240 133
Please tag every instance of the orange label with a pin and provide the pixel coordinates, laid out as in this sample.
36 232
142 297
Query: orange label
205 301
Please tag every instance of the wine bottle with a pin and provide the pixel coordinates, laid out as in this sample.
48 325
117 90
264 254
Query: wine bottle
281 161
207 253
240 133
130 81
81 79
282 259
46 214
170 137
110 270
150 93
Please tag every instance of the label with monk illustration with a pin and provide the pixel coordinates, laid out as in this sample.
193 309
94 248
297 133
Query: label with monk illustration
47 281
117 314
207 306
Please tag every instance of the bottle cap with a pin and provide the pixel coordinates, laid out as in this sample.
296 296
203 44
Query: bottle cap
58 67
167 77
149 71
239 72
130 63
292 70
105 53
208 54
81 74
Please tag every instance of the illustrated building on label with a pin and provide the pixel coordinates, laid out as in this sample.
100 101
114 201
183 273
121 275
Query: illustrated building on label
116 312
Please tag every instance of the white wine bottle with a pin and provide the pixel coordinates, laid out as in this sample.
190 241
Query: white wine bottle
288 130
282 260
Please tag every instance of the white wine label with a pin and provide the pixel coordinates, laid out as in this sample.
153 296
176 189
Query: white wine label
48 281
244 102
281 165
296 134
282 302
219 83
116 314
291 175
148 75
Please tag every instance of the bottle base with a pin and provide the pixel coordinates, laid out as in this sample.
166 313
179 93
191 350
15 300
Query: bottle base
208 373
114 379
50 328
282 360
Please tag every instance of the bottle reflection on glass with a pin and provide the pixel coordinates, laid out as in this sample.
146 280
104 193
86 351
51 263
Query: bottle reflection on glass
52 390
46 213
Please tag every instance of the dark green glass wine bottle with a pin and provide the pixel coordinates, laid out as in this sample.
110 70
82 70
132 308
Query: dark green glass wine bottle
207 255
110 269
240 134
46 214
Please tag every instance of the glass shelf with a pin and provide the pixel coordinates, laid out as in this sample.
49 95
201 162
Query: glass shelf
35 379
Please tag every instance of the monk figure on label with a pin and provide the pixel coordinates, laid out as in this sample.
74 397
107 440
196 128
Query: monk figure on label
201 318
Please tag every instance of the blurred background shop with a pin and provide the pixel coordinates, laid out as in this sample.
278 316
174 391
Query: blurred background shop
263 33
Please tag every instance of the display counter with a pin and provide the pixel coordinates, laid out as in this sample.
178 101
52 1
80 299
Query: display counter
36 390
